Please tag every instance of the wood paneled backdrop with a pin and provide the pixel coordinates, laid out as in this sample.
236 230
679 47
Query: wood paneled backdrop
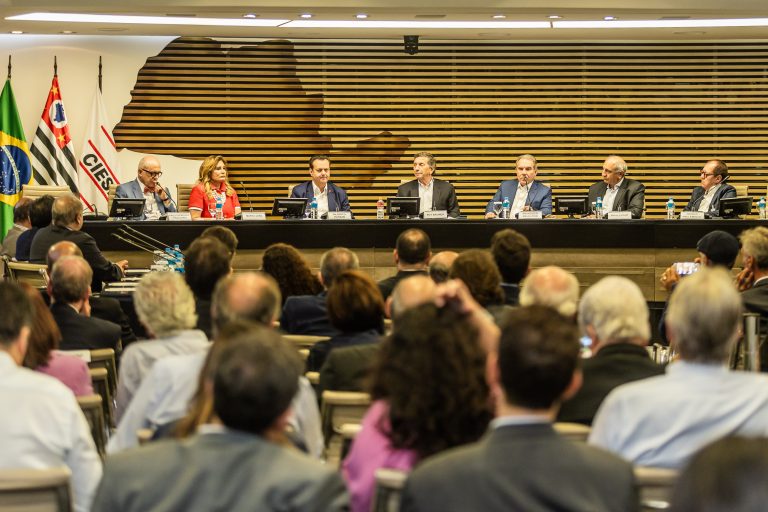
268 105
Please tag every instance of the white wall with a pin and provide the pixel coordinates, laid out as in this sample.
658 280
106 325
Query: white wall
78 66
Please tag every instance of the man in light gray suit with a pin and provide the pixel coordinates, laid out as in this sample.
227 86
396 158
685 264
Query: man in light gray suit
237 461
522 463
147 186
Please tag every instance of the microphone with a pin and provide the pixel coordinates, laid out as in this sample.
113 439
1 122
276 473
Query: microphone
174 203
138 235
247 197
137 245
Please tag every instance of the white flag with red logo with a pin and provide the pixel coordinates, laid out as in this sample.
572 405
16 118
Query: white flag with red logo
98 164
53 157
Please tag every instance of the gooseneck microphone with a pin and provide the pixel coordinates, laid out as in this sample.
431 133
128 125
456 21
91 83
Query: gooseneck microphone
247 197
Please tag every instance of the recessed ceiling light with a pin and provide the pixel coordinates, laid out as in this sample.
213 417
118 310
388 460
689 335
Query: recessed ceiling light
554 17
499 16
67 31
609 18
250 15
306 15
17 31
144 20
361 16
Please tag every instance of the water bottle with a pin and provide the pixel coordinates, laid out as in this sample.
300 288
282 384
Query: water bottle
670 209
219 209
380 209
505 208
761 208
313 209
599 208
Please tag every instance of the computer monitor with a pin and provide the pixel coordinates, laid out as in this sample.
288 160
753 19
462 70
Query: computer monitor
127 208
735 206
402 207
290 207
572 205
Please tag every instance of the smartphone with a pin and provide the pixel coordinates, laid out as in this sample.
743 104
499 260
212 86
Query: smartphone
686 268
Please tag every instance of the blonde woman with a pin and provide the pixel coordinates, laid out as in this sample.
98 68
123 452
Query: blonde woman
213 187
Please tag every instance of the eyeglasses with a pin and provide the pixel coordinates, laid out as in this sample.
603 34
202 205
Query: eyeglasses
702 173
153 174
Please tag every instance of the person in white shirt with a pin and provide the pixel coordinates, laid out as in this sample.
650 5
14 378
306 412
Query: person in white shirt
42 425
618 192
706 198
434 194
329 197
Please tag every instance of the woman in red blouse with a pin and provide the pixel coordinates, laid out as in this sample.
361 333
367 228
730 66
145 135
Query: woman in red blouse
213 184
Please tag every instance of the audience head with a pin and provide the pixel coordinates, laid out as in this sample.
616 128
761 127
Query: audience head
70 280
336 261
354 303
59 249
553 287
754 248
290 270
67 211
440 265
718 248
512 252
41 211
21 211
252 296
44 334
704 316
16 320
205 262
439 343
164 304
413 247
410 292
478 271
224 235
614 310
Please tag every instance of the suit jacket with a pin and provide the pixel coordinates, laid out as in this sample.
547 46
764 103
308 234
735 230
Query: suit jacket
631 196
612 366
337 197
346 368
9 242
755 300
103 269
24 244
443 195
81 332
321 349
135 190
231 470
307 314
387 285
108 309
522 467
697 195
539 196
511 294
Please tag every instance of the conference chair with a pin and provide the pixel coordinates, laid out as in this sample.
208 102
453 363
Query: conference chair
573 431
35 490
290 189
18 271
741 190
339 408
389 486
303 340
94 414
111 196
35 191
144 435
304 354
100 381
105 358
348 433
182 195
654 487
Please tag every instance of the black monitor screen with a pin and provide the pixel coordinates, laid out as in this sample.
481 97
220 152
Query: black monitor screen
403 207
735 206
124 207
572 205
289 206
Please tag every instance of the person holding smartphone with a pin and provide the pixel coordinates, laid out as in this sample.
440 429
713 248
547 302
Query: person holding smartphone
147 186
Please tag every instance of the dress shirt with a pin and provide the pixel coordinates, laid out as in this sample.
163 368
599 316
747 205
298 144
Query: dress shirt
150 205
521 195
425 195
662 421
706 200
528 419
322 199
610 196
43 427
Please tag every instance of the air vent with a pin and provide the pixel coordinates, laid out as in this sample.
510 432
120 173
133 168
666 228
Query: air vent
429 16
675 18
181 15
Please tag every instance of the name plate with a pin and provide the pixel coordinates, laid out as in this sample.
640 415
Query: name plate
436 214
625 215
532 214
339 215
692 216
253 216
179 216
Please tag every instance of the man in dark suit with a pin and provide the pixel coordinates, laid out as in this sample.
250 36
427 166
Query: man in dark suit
522 463
619 332
617 192
69 288
706 198
524 192
147 186
435 194
206 261
21 223
413 250
329 196
67 221
512 253
753 280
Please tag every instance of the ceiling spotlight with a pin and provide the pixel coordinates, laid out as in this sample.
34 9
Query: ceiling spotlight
554 17
610 18
306 15
499 16
17 31
67 31
250 15
361 16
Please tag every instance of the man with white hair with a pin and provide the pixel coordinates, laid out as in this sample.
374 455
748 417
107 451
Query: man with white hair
619 331
662 421
553 287
616 191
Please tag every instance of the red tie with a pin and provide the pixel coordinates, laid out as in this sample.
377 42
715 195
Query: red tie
147 190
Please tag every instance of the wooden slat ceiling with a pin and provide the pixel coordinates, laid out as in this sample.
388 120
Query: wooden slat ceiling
268 105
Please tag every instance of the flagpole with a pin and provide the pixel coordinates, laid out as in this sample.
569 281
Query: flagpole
9 67
100 73
55 67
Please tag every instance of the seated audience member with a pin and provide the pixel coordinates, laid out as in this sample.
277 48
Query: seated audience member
434 194
522 463
525 193
706 198
224 235
21 223
412 254
308 314
42 425
290 270
614 315
330 197
617 192
206 261
440 265
236 462
661 421
356 310
157 199
753 280
213 187
431 366
43 353
729 475
553 287
39 217
67 222
478 271
69 288
166 308
512 253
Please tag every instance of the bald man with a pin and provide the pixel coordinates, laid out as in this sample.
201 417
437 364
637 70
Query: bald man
147 186
618 192
553 287
440 265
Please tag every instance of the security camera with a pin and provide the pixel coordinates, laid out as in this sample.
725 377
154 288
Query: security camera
411 44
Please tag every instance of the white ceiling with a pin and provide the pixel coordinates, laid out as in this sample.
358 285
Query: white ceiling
447 10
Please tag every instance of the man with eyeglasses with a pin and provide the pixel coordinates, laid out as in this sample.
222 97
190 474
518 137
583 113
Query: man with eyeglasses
147 186
617 192
706 198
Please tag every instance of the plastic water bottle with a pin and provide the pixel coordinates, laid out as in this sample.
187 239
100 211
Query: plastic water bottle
219 209
380 211
313 209
761 208
670 209
599 208
505 208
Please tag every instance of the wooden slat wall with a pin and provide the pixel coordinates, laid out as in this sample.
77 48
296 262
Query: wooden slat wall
268 105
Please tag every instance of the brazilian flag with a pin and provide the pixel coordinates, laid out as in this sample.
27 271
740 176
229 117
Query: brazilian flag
15 169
